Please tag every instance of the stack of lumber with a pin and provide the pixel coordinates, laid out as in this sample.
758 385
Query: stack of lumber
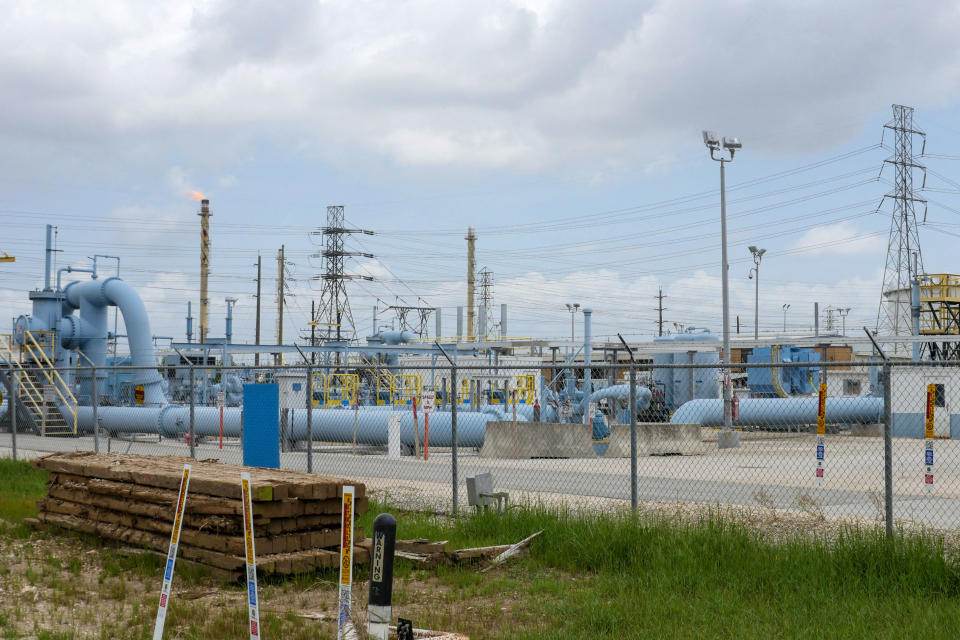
132 499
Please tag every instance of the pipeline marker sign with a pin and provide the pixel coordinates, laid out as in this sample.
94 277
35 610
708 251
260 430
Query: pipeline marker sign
253 606
821 462
172 554
821 432
931 407
822 410
138 394
929 435
429 401
346 561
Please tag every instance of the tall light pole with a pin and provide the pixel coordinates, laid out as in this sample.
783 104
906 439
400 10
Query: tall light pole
785 307
843 316
757 256
572 308
728 437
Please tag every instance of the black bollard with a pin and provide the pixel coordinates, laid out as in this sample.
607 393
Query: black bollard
379 610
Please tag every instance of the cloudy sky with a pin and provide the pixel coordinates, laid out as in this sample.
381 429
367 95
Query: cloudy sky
567 133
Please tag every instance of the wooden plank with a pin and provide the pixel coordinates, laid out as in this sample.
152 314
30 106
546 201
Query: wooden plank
301 561
193 537
209 477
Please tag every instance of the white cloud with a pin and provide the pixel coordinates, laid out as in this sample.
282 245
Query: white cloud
843 238
577 85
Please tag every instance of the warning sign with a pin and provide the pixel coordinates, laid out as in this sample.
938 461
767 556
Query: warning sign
138 394
429 401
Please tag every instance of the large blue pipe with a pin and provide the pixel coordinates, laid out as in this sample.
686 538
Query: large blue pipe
781 411
329 425
89 331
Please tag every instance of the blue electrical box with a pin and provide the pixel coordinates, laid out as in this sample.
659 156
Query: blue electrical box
261 425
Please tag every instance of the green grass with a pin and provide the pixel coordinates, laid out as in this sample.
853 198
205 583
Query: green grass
619 575
587 576
20 487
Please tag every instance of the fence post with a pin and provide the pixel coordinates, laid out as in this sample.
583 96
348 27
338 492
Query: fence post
95 392
453 439
634 497
193 452
309 420
888 448
14 391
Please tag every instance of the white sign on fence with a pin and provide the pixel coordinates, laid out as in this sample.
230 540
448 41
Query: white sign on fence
429 401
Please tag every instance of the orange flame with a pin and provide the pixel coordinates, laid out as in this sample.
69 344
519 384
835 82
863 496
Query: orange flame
195 195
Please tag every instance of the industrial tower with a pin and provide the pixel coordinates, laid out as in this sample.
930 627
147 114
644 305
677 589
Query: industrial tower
904 258
471 269
334 307
204 265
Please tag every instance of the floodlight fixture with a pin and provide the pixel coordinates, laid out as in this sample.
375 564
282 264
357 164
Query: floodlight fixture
711 139
732 143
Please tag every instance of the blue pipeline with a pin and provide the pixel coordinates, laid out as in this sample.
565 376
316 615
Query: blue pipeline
329 425
781 411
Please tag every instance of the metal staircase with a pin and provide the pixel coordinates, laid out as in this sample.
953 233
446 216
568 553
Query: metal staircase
41 389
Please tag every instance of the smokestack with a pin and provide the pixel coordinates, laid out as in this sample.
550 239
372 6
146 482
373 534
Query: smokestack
49 253
471 267
204 265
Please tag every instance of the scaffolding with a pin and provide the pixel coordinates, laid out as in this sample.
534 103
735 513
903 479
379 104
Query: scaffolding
939 313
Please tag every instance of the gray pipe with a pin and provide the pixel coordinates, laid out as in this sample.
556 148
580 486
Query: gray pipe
587 349
329 425
781 411
46 264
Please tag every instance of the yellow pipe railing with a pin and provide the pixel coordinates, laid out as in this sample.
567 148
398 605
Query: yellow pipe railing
38 354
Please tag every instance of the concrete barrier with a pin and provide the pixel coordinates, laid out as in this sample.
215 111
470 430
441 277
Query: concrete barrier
522 440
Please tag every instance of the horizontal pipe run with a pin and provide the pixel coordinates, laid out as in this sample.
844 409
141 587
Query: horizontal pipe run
765 412
329 425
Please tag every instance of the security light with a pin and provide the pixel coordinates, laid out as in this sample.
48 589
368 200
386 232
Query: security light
732 143
711 140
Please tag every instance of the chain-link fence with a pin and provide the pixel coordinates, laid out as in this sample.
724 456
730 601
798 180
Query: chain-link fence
868 441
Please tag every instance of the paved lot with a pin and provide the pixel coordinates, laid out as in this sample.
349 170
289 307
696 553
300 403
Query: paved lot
772 471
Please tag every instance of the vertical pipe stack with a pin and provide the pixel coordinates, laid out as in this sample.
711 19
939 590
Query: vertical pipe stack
204 265
471 267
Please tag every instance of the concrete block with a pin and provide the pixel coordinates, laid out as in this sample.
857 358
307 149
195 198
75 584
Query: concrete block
522 440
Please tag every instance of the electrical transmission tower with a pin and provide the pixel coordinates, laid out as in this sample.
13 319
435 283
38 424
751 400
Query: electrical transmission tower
333 317
904 259
485 302
420 325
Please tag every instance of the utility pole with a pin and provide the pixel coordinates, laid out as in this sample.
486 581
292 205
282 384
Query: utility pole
660 310
281 270
313 331
256 357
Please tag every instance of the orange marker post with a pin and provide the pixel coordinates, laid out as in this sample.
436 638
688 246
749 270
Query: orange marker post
821 431
929 434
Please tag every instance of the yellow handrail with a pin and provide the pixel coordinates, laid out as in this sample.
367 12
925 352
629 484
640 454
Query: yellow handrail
53 376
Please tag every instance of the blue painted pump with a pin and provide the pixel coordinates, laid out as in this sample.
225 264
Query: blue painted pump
765 412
